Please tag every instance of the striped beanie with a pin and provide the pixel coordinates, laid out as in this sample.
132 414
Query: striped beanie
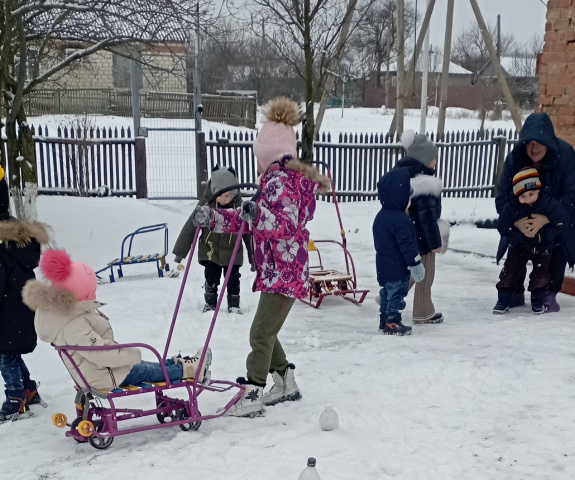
525 180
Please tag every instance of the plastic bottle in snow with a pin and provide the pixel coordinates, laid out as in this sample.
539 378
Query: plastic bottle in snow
328 419
309 472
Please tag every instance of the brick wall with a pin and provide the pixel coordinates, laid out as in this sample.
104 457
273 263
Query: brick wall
556 68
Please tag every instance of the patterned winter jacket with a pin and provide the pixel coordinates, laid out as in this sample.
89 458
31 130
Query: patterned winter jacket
280 238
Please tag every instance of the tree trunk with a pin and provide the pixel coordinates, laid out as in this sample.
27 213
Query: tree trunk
23 179
308 129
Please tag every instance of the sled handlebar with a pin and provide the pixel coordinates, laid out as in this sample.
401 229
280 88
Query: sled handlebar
237 186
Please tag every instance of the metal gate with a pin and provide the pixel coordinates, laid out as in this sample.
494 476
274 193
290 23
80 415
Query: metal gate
171 162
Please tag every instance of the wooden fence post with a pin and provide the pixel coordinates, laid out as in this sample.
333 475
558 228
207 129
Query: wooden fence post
140 164
501 143
201 162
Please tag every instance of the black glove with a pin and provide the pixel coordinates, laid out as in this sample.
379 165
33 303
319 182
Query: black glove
249 211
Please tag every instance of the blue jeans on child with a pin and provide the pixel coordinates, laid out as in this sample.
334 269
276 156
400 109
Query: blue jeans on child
145 372
15 373
392 298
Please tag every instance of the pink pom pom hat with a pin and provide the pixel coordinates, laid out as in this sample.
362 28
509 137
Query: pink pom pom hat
75 277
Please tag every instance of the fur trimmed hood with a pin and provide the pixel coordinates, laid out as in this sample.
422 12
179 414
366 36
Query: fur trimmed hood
423 184
38 295
310 172
22 233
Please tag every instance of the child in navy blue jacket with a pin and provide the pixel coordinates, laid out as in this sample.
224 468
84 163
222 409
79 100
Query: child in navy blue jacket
528 200
397 253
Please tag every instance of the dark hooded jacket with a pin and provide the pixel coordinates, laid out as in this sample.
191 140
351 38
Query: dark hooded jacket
545 238
425 208
20 245
393 231
556 172
213 247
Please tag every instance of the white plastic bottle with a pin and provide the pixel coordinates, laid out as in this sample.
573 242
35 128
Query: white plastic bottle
309 472
328 419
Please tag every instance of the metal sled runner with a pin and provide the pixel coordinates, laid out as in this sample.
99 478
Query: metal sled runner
324 282
99 419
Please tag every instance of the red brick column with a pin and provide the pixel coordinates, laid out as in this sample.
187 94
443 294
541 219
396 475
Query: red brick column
556 68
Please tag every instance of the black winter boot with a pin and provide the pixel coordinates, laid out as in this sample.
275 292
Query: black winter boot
14 409
502 305
211 297
234 304
32 395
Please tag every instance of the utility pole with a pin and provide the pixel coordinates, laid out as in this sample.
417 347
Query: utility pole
135 84
411 72
400 87
445 71
497 67
201 156
388 52
424 80
198 107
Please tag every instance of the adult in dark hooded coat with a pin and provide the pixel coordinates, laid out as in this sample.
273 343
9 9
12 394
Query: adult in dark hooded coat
20 245
539 147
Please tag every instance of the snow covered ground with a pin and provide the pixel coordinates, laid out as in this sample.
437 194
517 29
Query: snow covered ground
477 397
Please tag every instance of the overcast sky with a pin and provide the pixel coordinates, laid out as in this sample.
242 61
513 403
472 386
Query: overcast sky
522 18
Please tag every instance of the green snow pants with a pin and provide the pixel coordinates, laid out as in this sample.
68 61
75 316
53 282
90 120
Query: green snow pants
267 352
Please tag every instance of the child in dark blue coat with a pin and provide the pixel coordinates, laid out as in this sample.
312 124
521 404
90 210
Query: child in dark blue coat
397 253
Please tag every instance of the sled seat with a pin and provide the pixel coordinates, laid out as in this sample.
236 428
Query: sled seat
318 276
128 258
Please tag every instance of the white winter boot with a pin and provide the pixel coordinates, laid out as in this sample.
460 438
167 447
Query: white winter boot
251 404
284 388
191 366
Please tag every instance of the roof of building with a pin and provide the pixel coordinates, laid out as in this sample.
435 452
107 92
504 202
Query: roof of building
513 66
434 67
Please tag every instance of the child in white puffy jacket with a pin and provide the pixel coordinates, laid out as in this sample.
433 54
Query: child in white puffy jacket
67 314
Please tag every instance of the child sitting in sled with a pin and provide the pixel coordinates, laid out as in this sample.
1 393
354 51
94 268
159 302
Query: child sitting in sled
67 313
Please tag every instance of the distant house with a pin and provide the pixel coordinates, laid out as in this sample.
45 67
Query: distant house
521 75
163 68
380 88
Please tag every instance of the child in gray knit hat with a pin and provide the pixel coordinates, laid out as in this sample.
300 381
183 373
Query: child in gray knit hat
425 211
215 249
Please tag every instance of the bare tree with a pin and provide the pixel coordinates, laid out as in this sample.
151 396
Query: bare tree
306 35
375 41
31 37
469 49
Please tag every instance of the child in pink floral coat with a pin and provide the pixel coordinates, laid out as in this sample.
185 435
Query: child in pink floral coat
278 223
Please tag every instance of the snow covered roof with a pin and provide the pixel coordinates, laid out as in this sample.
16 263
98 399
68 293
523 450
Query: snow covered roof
435 66
517 66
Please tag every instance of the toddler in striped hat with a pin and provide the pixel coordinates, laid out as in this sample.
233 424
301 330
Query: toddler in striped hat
526 185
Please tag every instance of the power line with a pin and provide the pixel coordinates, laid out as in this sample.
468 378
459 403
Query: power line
543 2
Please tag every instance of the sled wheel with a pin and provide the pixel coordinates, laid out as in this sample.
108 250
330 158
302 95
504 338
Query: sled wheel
74 426
186 427
59 419
97 442
85 428
162 417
